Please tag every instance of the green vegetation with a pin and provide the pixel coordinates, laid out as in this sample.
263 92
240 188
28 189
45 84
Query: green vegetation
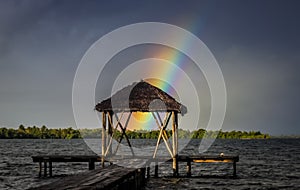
69 133
38 133
199 134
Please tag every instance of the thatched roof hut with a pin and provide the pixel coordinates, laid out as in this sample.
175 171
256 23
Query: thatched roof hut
142 97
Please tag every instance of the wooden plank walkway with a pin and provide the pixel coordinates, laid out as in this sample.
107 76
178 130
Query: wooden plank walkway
117 177
140 161
110 177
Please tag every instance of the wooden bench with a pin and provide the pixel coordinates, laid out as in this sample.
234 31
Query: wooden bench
196 159
49 159
208 159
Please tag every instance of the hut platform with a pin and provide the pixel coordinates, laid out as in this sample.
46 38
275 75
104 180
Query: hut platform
135 161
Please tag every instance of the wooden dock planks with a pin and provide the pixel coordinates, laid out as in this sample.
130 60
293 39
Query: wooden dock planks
110 177
135 161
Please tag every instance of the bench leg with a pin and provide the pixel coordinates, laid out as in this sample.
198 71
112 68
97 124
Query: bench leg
148 172
188 169
40 169
50 168
156 169
91 165
234 169
45 169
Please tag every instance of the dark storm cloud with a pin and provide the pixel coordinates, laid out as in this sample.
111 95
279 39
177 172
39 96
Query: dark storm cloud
262 90
256 43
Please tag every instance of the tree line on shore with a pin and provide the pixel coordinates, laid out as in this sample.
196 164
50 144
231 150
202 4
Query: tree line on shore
69 133
39 133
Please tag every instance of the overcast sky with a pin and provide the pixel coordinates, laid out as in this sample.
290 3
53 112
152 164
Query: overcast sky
256 43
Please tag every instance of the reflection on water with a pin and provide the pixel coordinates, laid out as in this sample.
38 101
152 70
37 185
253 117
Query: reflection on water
273 163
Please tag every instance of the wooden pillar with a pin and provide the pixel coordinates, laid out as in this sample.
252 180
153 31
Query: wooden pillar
40 168
188 168
141 178
110 130
174 144
91 164
234 169
103 138
50 168
148 171
45 168
156 169
176 133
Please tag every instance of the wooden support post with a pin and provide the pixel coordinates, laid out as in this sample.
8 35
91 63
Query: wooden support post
176 133
148 171
174 143
45 168
234 169
188 168
103 138
123 130
110 130
165 138
156 169
161 131
40 168
91 164
157 143
109 133
50 168
122 135
140 182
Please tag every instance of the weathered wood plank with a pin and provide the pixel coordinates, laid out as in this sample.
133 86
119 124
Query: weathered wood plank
103 178
66 158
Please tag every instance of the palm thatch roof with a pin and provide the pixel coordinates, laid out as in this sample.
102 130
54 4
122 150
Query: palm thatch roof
141 97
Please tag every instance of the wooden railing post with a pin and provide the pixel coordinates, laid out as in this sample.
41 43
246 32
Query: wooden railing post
103 138
174 144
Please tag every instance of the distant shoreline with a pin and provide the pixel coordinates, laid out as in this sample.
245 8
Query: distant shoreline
69 133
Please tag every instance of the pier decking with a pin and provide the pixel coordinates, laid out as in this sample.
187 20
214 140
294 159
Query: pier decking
117 177
110 177
47 160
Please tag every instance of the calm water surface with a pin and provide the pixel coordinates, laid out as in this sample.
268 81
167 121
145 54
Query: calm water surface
264 164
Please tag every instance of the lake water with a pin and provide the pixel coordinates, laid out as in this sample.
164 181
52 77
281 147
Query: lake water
264 164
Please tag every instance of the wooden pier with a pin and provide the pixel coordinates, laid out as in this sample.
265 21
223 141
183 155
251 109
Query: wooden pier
47 161
140 98
114 176
110 177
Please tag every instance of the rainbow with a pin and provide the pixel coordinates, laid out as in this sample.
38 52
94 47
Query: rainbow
145 120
